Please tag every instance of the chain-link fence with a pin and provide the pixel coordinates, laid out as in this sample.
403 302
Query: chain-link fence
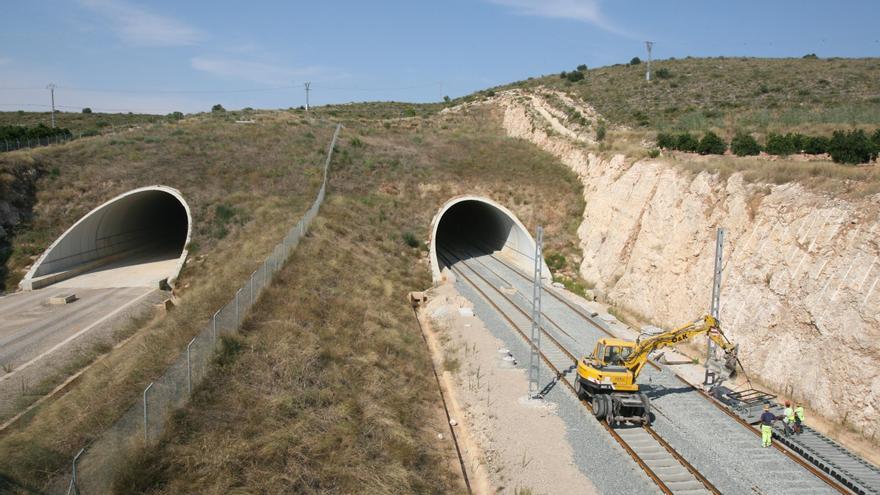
34 142
93 470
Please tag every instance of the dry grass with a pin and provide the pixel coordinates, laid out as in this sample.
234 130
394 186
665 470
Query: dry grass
333 391
211 161
268 172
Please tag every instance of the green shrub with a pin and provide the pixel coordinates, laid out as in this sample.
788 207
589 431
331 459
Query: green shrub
635 61
852 147
812 56
876 138
686 142
575 76
218 108
555 261
410 239
582 68
601 131
711 144
743 144
86 110
663 73
778 144
816 145
666 141
653 153
175 115
562 75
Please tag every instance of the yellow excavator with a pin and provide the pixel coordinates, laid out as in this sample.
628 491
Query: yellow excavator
608 376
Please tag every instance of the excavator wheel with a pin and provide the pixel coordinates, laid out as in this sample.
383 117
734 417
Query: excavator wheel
610 410
581 393
599 406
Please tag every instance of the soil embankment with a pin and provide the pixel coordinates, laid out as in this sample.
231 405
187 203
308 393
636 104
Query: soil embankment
801 269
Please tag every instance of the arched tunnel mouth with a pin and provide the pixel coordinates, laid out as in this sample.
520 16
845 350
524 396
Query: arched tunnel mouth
470 227
136 239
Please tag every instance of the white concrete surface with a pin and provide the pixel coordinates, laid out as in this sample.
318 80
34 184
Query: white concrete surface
133 222
144 270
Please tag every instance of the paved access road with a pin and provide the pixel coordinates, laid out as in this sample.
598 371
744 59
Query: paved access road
30 326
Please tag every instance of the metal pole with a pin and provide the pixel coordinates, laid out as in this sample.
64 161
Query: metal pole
715 305
308 88
649 45
252 286
535 354
214 327
146 427
51 87
73 489
189 371
237 320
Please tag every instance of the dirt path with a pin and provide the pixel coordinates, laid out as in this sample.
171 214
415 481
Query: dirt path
510 444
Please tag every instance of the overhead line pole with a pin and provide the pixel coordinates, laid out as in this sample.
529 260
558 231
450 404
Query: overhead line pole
308 88
51 88
715 306
649 45
535 347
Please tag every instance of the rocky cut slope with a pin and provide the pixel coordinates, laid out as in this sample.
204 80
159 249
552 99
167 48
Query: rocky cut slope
800 290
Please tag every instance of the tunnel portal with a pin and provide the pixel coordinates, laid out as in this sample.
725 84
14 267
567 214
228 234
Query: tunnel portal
471 225
138 238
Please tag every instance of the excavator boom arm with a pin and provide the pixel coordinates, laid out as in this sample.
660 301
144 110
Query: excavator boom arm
707 324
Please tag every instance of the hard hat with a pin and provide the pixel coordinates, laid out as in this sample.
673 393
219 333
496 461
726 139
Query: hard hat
787 403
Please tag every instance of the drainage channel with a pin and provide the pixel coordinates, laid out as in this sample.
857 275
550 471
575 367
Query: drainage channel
663 465
839 468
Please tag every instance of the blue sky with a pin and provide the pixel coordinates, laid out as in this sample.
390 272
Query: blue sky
161 56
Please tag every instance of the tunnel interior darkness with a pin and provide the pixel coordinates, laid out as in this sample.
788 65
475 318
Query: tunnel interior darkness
470 227
146 225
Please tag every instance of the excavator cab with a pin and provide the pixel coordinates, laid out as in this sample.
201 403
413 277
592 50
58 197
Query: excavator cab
613 353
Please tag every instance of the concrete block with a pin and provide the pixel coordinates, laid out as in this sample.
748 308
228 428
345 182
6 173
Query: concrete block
62 299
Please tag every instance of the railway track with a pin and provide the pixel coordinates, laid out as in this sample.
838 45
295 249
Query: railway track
671 472
840 469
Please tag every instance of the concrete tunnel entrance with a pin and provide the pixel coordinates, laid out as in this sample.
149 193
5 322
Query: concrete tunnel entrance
469 226
136 239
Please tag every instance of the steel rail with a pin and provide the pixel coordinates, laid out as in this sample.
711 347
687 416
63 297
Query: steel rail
810 467
559 375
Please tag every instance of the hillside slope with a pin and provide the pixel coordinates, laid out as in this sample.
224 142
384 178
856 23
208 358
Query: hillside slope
730 93
800 289
245 186
333 381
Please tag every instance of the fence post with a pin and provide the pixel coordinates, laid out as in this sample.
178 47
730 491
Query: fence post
252 286
73 489
214 327
146 426
237 320
189 370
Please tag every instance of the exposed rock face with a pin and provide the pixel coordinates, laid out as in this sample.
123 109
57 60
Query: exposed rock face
800 291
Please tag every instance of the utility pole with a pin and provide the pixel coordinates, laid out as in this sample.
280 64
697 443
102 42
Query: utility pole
51 88
308 88
715 306
535 354
649 45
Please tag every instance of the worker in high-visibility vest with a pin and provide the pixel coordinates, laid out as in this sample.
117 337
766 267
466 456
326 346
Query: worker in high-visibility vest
788 419
799 418
767 420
